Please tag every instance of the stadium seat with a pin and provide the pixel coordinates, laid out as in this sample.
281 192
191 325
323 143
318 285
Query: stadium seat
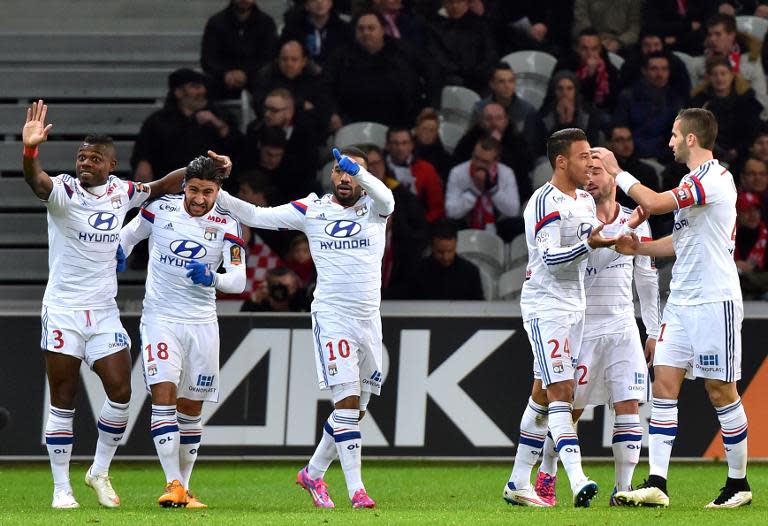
488 281
58 156
456 103
541 174
16 195
532 93
517 251
656 165
83 83
81 119
481 245
450 134
510 283
690 65
170 50
753 25
27 230
361 133
533 70
616 60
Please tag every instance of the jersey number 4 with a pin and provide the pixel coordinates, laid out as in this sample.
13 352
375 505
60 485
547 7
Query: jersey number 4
342 347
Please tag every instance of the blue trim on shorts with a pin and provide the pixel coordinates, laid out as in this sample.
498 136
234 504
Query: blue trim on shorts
319 346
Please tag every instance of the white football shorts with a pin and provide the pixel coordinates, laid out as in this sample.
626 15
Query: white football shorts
555 344
85 334
705 340
347 350
185 354
611 368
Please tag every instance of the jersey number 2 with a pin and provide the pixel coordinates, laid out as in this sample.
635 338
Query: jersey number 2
342 347
556 348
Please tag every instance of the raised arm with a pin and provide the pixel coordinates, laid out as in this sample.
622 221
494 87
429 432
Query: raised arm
653 202
35 133
171 183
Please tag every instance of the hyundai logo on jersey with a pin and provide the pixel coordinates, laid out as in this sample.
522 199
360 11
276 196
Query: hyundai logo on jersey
585 229
188 249
103 221
342 228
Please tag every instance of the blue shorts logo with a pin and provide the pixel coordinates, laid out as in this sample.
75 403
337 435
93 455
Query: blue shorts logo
188 249
204 380
341 228
103 221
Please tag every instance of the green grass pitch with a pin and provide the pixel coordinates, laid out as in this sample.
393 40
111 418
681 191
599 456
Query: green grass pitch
406 493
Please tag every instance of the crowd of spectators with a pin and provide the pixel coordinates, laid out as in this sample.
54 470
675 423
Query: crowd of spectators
330 63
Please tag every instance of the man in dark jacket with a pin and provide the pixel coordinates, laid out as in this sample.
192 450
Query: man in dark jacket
187 126
374 80
444 275
462 46
237 42
318 27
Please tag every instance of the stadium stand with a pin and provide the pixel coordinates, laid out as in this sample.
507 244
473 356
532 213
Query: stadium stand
360 133
456 104
753 25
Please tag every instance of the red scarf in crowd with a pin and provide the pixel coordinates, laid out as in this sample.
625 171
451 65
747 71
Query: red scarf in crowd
602 86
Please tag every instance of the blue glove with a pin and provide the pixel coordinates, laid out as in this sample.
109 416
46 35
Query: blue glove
345 163
120 257
200 274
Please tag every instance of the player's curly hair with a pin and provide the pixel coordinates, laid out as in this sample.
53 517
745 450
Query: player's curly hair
205 168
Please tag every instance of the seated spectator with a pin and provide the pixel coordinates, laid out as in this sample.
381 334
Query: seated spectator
681 24
741 50
237 42
427 142
281 292
599 78
462 46
318 27
502 84
482 193
374 80
415 174
652 42
649 109
541 25
622 145
265 152
759 146
563 108
402 24
292 71
617 21
494 122
751 238
753 179
300 161
444 275
299 259
729 97
264 246
186 126
407 230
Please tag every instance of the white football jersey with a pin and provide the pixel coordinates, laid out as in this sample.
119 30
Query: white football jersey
176 238
83 235
347 245
608 285
704 237
556 229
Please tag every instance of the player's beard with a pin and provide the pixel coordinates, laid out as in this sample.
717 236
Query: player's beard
351 198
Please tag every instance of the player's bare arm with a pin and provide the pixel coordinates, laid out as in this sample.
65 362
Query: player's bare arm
631 246
171 183
35 133
654 203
